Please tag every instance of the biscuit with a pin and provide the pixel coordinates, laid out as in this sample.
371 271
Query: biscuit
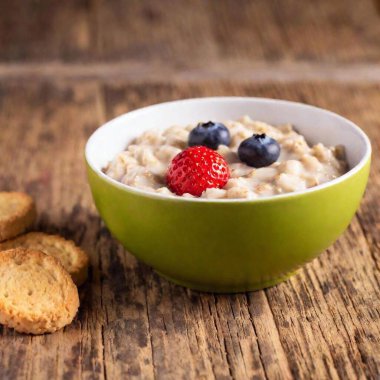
37 295
72 258
17 213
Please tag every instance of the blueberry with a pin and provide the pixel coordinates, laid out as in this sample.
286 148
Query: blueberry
210 134
259 151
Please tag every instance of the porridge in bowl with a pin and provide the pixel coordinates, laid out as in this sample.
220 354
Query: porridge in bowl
257 160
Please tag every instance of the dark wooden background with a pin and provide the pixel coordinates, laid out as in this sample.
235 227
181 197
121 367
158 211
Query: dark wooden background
68 66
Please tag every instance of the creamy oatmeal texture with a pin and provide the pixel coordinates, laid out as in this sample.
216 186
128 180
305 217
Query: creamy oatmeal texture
144 162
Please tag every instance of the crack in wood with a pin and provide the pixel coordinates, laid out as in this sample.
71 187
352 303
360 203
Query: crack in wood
251 318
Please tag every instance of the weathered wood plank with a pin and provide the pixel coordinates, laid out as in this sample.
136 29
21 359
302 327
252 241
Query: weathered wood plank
31 30
189 33
322 323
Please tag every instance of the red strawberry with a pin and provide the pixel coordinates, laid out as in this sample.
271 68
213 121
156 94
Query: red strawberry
196 169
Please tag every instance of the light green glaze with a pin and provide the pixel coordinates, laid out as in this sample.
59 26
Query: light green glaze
228 246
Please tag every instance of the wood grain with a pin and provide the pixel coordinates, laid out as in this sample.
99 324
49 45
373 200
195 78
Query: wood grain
190 33
322 323
138 72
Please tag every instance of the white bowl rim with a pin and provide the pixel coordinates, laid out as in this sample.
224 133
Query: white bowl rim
146 193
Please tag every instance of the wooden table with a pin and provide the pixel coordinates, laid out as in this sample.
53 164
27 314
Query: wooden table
66 67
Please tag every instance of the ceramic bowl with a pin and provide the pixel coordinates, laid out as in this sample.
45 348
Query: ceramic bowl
228 245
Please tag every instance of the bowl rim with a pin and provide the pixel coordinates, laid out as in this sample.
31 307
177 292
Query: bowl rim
366 157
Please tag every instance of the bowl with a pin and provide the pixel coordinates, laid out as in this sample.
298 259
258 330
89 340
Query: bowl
228 245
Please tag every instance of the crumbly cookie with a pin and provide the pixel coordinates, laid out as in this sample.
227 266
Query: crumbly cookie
73 259
17 213
37 295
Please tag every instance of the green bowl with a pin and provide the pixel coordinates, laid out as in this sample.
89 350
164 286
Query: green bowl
228 245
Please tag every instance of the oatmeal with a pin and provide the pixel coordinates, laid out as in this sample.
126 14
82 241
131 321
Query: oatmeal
299 166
